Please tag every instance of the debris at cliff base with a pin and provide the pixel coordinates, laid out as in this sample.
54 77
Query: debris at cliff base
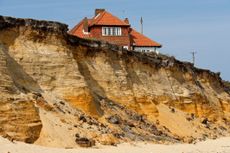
85 142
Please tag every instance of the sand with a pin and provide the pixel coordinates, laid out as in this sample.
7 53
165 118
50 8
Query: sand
221 145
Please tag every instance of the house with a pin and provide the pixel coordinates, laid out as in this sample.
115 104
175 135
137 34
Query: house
107 27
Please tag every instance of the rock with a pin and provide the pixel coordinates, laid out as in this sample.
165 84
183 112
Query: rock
188 118
155 131
193 116
90 122
173 110
82 118
85 142
8 137
115 119
189 140
205 121
130 124
62 103
205 136
36 95
118 135
136 117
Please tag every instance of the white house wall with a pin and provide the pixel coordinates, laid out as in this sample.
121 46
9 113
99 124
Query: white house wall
146 49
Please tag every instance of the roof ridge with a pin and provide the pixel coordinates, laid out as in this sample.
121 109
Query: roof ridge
102 14
98 18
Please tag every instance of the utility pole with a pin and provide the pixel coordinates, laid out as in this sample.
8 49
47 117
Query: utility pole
193 57
141 25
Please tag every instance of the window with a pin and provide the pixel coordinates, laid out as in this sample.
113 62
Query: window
111 31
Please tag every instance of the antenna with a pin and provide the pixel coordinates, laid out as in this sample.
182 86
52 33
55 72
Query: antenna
193 57
141 25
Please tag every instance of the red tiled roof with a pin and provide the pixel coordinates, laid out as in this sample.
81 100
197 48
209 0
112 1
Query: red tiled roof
78 30
139 39
106 18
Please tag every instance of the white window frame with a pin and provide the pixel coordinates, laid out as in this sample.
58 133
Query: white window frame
111 31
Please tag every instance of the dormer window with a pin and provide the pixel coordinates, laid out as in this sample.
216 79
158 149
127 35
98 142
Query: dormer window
111 31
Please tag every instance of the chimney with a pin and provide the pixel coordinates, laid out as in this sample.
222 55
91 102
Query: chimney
85 25
97 11
126 20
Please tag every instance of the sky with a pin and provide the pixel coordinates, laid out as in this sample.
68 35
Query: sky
181 26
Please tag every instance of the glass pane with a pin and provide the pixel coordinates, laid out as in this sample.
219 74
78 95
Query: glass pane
114 31
107 31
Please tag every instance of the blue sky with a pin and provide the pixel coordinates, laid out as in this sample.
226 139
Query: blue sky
182 26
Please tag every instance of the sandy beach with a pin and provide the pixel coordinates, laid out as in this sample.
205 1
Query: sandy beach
221 145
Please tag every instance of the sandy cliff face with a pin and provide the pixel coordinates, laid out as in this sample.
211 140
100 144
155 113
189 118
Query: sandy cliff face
19 118
59 90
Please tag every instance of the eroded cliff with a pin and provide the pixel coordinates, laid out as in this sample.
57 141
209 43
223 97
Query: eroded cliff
60 90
